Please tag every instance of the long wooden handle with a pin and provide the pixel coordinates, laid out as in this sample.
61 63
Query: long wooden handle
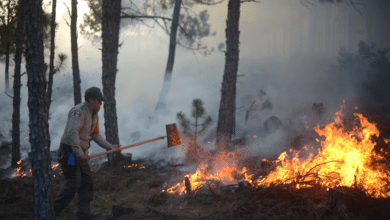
128 146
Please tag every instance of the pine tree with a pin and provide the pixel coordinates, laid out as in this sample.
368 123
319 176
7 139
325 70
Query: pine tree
197 112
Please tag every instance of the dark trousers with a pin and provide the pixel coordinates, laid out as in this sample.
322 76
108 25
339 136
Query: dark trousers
78 179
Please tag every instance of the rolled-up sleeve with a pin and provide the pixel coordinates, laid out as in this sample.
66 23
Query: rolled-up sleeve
76 121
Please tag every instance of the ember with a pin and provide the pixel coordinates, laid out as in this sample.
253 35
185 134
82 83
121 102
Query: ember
55 166
343 159
19 170
135 165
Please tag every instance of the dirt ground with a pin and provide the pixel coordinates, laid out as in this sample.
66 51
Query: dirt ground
136 193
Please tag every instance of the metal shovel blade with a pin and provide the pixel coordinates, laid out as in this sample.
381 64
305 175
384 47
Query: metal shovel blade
172 135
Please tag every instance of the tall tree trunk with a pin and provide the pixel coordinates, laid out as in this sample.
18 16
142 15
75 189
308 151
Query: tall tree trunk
110 35
75 57
171 58
17 85
38 124
228 91
52 52
7 49
7 65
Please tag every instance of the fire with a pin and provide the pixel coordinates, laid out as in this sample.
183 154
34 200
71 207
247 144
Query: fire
55 166
345 158
201 178
223 170
19 170
135 165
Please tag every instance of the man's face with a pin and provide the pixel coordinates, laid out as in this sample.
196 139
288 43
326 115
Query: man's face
96 105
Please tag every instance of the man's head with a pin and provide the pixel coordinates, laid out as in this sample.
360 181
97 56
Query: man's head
94 97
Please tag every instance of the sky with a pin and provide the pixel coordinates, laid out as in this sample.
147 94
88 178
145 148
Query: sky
286 49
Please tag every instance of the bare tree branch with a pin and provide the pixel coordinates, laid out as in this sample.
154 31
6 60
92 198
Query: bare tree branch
357 4
208 3
249 1
68 14
8 95
145 16
307 1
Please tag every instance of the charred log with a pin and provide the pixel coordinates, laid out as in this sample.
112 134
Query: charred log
187 184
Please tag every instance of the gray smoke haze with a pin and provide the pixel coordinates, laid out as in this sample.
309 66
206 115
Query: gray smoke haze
286 49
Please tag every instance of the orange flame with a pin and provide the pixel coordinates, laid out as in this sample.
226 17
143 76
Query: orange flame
19 170
223 170
135 165
200 178
55 166
344 159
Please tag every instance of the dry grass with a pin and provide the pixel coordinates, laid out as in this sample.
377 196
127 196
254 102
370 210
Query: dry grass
141 189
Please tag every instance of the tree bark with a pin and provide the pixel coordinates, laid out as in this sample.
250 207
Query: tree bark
75 57
110 35
7 48
52 53
38 124
7 65
17 85
228 91
171 58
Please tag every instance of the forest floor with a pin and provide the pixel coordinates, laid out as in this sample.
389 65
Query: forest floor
137 193
134 190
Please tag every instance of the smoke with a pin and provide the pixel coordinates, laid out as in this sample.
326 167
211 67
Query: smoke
285 55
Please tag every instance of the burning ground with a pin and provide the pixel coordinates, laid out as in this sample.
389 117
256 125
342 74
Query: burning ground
343 175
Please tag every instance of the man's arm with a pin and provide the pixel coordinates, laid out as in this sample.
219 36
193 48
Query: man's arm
99 139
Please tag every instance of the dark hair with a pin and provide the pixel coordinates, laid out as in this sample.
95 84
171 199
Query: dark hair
93 93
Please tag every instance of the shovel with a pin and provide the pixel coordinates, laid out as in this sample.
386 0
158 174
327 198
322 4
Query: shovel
172 137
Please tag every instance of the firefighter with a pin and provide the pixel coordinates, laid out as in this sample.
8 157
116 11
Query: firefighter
82 127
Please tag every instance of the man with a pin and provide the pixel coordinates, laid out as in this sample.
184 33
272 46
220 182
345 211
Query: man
81 128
